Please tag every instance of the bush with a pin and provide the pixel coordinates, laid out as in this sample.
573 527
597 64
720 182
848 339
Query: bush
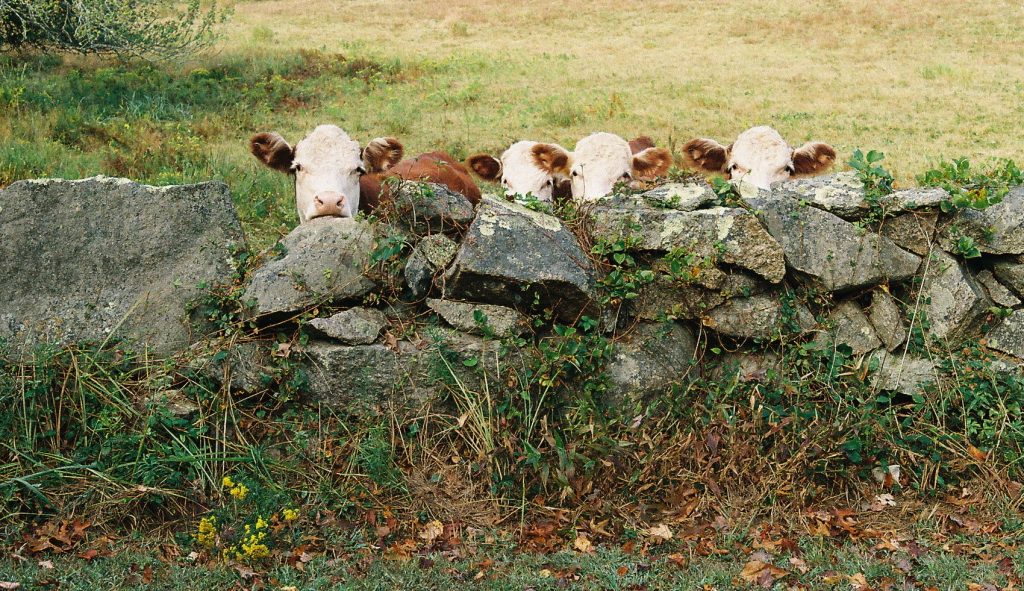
120 27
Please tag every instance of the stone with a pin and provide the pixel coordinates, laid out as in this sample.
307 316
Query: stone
649 360
729 235
956 300
997 229
376 380
1008 337
837 255
885 316
107 258
515 256
324 262
913 231
430 256
1011 273
499 320
665 298
243 366
996 291
173 401
355 326
747 366
841 194
911 199
893 372
759 316
850 326
429 208
678 196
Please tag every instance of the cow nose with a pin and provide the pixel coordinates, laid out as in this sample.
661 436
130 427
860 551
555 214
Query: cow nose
329 203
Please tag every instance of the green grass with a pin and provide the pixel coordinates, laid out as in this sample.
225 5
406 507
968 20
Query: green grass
828 566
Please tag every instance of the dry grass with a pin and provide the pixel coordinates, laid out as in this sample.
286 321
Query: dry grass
919 80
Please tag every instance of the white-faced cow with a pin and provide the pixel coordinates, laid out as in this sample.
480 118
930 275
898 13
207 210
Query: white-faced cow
334 177
759 156
549 171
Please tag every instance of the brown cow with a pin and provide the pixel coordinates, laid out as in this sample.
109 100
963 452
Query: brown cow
334 177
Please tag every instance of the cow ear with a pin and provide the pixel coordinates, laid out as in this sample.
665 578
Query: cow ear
813 157
639 144
382 153
485 166
705 154
651 163
551 159
273 151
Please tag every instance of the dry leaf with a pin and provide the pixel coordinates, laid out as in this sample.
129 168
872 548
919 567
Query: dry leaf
678 560
859 582
431 531
799 564
46 564
660 532
977 454
583 544
623 570
761 573
9 586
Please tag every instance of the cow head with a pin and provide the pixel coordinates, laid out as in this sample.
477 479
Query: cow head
760 156
526 167
326 165
603 159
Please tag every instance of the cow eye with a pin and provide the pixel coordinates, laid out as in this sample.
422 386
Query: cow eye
790 169
626 176
360 171
298 168
732 168
547 183
575 173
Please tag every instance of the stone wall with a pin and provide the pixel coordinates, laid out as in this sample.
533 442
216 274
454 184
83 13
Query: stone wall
812 260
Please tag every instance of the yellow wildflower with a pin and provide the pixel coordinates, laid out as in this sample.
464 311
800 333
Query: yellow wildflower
261 523
227 482
207 533
239 491
290 514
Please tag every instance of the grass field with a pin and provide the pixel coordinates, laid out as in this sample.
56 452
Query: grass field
921 81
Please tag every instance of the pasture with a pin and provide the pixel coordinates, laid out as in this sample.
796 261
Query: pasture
416 504
923 82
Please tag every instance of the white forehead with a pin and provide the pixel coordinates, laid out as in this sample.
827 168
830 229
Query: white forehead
520 170
762 146
604 150
328 146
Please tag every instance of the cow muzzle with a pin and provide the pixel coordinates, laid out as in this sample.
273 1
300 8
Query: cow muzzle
331 204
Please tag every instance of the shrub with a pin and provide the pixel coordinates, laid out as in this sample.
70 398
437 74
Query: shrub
121 27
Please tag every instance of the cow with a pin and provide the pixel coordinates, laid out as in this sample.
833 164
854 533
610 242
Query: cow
759 156
334 177
549 171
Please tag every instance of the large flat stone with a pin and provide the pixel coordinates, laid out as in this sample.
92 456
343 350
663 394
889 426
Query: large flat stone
324 261
1008 337
650 359
513 256
956 301
997 229
759 316
732 235
102 257
836 254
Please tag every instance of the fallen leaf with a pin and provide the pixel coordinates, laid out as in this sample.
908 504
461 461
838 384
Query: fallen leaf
9 585
977 454
799 564
46 564
660 532
622 570
431 531
762 573
583 544
678 560
859 582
